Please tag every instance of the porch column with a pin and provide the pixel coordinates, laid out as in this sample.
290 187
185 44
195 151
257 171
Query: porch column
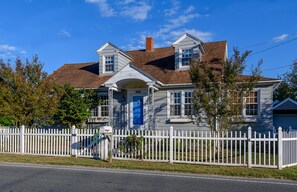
150 102
110 105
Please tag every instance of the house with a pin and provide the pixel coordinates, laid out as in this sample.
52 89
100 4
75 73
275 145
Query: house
285 114
152 89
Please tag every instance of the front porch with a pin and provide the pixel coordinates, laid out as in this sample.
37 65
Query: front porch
130 94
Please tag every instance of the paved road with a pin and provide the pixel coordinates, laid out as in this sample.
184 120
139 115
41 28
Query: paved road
24 177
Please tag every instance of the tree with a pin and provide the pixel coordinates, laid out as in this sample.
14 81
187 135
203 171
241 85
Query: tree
288 88
27 96
218 97
5 122
74 107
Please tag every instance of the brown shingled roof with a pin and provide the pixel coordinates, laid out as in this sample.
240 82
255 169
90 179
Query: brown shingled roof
158 64
82 75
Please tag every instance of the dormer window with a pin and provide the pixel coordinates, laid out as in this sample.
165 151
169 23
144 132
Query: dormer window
186 56
109 63
187 47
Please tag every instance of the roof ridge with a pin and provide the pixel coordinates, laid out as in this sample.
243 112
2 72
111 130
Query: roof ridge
84 63
172 47
215 42
144 49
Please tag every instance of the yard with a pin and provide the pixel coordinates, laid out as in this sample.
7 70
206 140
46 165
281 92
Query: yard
286 173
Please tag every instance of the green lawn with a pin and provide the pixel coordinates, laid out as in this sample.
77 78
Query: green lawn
286 173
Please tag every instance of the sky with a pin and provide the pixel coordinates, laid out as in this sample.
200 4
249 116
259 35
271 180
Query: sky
70 31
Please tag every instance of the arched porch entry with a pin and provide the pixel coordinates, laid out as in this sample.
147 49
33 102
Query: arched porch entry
137 90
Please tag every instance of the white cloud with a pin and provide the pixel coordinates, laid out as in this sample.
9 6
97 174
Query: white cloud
175 23
127 1
190 9
203 36
104 7
172 29
64 33
137 42
6 47
173 10
9 51
7 55
280 38
137 11
23 52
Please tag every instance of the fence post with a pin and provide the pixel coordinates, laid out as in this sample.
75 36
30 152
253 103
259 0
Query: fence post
280 148
22 139
171 144
249 147
74 146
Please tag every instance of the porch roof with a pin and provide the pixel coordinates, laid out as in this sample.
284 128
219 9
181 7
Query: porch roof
129 72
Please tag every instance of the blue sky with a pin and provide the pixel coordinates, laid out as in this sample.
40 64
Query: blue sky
70 31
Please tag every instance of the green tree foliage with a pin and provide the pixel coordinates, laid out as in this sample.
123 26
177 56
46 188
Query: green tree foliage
5 122
218 98
288 88
75 105
26 95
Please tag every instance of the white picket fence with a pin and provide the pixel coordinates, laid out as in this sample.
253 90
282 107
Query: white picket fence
54 142
233 148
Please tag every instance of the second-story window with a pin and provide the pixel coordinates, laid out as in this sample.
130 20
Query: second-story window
186 56
109 63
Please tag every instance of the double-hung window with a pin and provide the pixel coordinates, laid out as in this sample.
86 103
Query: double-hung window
175 104
188 103
181 103
109 63
102 109
186 56
251 103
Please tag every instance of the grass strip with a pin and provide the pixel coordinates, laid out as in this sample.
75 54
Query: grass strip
286 173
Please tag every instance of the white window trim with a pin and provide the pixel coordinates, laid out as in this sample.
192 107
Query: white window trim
99 109
179 118
103 64
251 117
180 51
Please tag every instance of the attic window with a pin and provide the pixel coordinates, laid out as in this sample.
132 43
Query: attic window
109 63
186 56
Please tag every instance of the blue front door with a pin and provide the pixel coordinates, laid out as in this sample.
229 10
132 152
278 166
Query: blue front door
137 110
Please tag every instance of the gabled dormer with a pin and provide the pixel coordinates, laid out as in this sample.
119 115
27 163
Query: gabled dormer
111 59
187 47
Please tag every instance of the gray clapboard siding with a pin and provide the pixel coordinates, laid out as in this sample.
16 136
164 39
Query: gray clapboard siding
119 59
263 122
162 120
122 62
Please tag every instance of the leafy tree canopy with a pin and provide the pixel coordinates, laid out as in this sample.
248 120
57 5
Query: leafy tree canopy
288 88
74 107
27 96
218 98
